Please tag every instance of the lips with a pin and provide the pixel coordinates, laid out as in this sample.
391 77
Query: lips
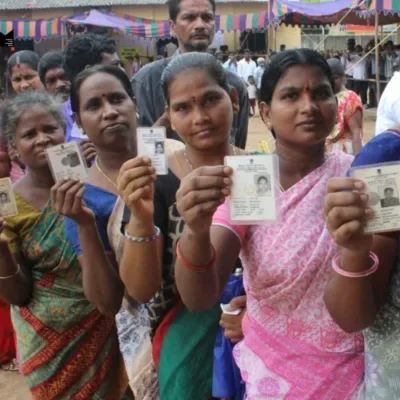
308 123
114 127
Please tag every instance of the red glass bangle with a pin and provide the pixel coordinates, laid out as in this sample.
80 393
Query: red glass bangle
192 267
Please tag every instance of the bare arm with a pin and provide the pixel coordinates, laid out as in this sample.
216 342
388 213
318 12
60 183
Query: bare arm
101 282
140 267
201 290
16 290
355 125
354 302
5 165
200 194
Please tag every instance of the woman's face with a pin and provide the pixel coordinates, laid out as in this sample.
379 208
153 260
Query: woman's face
106 112
36 130
303 107
24 78
339 82
200 110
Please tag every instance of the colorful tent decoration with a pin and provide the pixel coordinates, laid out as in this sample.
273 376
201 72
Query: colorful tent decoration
385 7
33 29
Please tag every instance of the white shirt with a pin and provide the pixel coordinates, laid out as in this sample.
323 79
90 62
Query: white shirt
388 114
258 75
360 67
246 69
252 91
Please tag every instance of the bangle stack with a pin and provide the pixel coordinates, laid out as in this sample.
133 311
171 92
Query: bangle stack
4 278
361 274
196 268
143 239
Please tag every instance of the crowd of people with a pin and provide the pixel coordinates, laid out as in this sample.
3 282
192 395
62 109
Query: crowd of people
112 288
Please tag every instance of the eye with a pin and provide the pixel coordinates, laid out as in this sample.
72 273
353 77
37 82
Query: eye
323 94
211 100
50 129
117 98
291 96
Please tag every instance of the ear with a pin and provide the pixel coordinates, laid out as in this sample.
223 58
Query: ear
265 113
235 100
172 25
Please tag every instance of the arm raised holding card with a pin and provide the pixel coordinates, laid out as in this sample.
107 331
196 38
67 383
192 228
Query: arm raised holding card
101 282
15 281
362 269
140 267
205 254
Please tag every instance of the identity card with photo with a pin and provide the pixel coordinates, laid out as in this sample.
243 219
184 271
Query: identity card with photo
67 162
255 191
151 143
8 205
382 187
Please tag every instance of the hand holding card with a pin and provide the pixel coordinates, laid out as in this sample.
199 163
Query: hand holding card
136 186
200 194
345 210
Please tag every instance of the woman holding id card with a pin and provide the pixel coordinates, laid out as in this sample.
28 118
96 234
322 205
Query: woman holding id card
363 294
292 348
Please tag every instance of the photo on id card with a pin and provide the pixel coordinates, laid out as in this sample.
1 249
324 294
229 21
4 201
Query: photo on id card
383 189
66 162
254 197
8 204
151 143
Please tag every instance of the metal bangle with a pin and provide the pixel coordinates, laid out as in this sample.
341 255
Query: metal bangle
142 239
4 278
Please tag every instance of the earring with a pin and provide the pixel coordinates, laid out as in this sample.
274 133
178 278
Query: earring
268 125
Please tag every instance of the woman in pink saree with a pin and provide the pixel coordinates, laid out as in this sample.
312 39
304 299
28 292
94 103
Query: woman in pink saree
292 348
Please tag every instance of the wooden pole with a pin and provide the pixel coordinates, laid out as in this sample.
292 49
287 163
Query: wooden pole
377 63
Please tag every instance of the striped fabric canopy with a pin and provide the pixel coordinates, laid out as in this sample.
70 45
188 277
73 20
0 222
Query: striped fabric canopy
33 29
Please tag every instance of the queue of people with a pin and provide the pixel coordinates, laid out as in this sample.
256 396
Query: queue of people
115 284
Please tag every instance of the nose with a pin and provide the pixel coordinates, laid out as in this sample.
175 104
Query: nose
199 116
25 84
200 24
42 138
60 84
308 104
109 111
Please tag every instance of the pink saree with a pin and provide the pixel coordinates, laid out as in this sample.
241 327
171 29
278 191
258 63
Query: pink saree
292 349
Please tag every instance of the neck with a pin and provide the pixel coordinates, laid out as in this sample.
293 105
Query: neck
297 162
112 161
209 157
40 178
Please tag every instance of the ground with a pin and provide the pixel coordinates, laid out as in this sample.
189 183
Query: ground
12 385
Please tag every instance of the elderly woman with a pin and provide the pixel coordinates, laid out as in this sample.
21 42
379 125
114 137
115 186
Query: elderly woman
67 348
348 131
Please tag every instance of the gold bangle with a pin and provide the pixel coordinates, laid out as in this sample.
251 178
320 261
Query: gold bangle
3 278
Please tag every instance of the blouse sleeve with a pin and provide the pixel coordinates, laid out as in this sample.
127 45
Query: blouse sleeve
13 238
353 103
221 218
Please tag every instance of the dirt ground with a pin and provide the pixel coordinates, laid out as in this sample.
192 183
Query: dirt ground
12 385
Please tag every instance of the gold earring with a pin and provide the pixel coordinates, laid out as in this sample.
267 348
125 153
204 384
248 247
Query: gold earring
268 125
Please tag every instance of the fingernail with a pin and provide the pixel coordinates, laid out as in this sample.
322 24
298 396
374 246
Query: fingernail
369 211
364 197
227 181
225 191
359 185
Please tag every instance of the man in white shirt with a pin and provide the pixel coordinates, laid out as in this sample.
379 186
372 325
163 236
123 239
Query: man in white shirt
360 74
388 114
246 67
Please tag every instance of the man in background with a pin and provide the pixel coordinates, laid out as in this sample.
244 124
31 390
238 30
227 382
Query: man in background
193 24
246 67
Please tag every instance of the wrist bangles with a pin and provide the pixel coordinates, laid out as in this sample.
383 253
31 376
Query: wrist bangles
143 239
338 269
4 278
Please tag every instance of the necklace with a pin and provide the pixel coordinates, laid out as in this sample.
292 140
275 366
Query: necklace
233 148
104 174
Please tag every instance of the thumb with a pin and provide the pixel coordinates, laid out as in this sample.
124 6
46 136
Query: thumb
238 302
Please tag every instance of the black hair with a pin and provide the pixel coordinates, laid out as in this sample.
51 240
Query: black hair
50 60
262 178
189 61
27 57
246 51
105 69
336 67
174 8
285 60
389 189
86 50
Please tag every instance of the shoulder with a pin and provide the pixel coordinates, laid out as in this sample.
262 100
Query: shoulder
382 148
152 71
100 201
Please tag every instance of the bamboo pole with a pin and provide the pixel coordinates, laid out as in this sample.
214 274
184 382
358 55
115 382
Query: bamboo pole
377 63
